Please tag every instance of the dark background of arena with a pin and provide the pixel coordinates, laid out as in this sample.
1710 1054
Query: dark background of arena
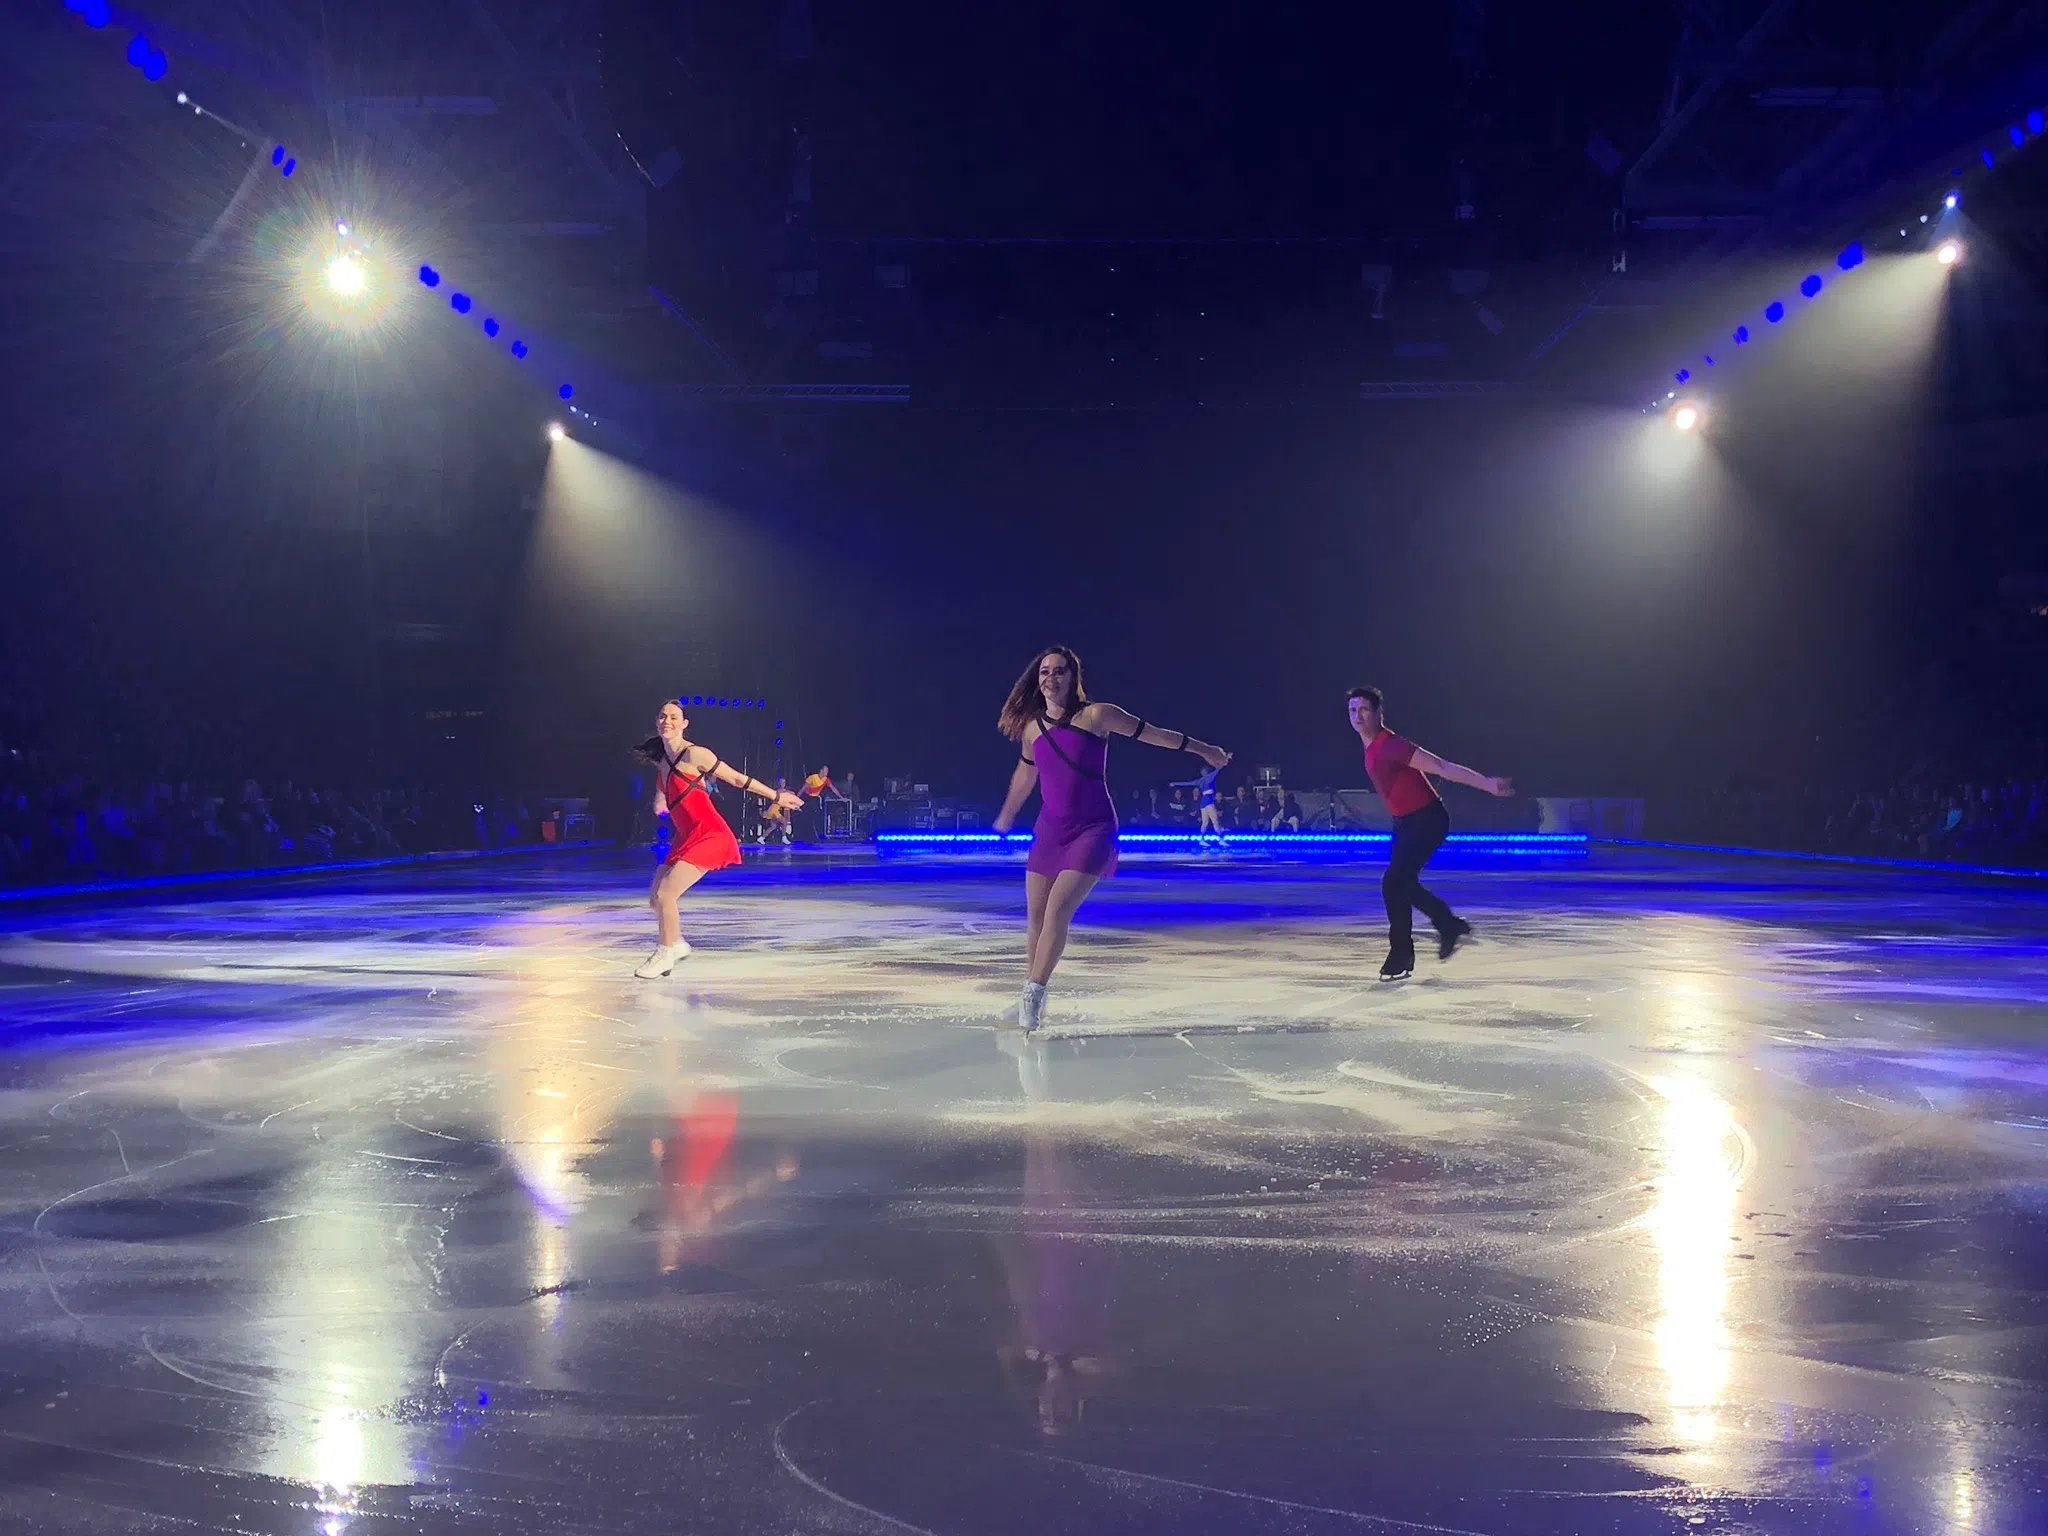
1126 259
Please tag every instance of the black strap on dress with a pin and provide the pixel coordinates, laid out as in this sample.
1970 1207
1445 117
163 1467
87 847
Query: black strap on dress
1045 729
695 780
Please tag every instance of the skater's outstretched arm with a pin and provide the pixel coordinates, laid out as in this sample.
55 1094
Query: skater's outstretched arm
1023 779
703 761
1429 762
1109 720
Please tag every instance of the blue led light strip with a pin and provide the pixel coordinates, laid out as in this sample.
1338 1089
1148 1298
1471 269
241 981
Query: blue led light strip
1534 842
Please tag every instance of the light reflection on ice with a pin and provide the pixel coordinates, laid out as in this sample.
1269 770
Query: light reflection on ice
1692 1225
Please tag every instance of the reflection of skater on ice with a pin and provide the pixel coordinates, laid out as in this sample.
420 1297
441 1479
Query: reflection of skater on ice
1060 1285
699 1184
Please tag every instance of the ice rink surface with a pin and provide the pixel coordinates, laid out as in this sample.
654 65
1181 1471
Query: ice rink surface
1699 1195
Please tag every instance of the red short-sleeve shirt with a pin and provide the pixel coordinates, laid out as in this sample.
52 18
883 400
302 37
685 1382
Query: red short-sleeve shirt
1388 763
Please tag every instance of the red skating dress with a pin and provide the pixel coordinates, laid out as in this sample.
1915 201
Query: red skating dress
699 834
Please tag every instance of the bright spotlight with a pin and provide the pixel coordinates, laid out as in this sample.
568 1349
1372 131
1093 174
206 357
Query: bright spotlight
556 432
1949 201
346 277
1687 415
1949 252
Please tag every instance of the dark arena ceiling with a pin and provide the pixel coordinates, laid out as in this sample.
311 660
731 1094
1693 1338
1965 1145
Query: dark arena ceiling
1063 206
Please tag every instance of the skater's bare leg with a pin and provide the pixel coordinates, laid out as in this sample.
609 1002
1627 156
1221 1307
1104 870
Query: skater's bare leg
670 881
1069 888
1037 892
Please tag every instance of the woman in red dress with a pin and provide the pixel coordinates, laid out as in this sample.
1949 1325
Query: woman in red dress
700 840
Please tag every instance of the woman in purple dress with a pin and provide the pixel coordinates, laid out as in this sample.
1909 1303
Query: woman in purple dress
1065 743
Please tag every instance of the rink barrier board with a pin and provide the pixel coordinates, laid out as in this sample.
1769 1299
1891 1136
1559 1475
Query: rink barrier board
282 871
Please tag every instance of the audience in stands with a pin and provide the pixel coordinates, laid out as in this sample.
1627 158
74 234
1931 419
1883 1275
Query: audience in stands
2002 821
65 822
1989 819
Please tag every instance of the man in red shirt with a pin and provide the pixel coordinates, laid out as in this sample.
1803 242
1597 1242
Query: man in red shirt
1399 771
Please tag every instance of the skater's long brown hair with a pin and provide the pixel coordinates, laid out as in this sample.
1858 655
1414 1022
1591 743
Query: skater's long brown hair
1025 703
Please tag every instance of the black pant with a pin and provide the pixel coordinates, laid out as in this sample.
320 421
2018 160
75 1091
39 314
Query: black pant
1416 836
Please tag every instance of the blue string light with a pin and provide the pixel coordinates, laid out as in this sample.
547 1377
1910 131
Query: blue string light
154 64
1851 255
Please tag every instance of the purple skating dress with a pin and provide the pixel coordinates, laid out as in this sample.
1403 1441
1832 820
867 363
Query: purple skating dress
1076 826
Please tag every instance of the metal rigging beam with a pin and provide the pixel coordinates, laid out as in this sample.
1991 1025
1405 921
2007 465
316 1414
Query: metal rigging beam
623 196
1704 93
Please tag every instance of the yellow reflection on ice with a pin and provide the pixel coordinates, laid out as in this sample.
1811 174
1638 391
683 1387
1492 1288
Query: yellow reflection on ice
338 1451
1705 1156
341 1337
557 1072
1962 1499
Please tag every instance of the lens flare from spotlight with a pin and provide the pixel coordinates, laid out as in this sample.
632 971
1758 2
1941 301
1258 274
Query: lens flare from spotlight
1688 415
345 275
1949 252
556 432
341 287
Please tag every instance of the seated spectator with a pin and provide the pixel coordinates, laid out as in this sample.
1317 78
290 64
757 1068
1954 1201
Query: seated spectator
1286 812
1244 814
